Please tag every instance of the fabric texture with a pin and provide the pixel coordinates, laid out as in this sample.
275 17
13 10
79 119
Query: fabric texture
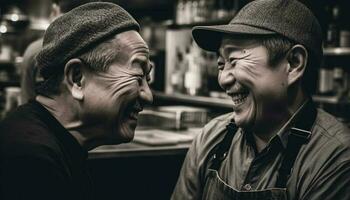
40 159
288 18
321 170
78 30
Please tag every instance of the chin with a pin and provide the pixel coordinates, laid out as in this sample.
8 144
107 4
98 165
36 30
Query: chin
127 133
244 120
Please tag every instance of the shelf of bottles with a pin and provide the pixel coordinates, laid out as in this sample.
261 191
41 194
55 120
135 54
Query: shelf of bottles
336 51
203 12
192 73
333 85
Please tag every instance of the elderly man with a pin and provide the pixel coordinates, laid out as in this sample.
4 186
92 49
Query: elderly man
95 67
275 144
29 72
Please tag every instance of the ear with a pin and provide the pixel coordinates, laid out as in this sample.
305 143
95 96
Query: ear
73 74
297 58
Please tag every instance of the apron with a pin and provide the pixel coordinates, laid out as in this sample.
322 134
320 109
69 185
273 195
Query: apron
216 188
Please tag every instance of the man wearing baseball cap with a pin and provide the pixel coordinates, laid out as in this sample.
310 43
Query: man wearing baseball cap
96 70
275 144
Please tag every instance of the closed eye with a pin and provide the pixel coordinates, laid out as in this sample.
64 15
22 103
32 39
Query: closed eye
148 78
221 63
233 61
139 79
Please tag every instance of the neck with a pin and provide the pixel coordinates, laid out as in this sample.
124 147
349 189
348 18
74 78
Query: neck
67 113
265 132
62 108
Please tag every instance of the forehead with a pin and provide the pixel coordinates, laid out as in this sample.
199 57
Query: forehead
132 51
129 44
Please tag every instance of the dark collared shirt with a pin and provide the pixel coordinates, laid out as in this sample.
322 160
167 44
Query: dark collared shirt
321 170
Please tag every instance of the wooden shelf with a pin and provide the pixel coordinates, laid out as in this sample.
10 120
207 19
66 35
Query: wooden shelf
4 84
227 103
329 99
133 149
197 100
225 20
337 51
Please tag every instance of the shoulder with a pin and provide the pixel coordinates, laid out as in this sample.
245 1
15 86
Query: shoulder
23 134
212 133
330 138
34 47
31 51
328 148
215 129
325 158
332 134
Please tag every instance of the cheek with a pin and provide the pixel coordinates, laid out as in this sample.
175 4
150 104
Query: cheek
220 79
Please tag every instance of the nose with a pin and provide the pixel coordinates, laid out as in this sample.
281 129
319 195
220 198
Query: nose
146 93
226 77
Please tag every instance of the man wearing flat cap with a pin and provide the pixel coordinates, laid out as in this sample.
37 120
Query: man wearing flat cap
275 144
96 70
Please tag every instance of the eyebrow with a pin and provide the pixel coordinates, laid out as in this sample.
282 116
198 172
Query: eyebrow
224 51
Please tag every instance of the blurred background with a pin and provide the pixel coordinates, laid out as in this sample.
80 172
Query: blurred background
184 82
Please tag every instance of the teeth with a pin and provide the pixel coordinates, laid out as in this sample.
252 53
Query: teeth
239 98
133 115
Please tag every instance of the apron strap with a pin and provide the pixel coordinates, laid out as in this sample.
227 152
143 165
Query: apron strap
219 152
300 134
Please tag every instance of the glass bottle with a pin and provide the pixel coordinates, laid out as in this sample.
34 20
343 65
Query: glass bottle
177 77
332 39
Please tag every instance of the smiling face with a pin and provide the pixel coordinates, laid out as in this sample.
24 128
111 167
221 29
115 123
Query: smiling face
113 98
258 90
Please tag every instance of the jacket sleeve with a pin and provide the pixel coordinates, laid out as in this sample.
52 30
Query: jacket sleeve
188 185
334 183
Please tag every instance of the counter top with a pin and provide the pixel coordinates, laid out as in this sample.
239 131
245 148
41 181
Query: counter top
135 149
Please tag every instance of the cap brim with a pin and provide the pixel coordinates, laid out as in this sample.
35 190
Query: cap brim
209 37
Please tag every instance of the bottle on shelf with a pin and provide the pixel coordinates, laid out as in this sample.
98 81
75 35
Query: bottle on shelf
177 76
344 40
333 29
193 76
340 84
180 12
205 8
188 12
325 81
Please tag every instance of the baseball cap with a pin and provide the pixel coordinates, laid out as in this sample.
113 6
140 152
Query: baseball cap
288 18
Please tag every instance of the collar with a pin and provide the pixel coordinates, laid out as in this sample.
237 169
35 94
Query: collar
300 124
70 145
284 132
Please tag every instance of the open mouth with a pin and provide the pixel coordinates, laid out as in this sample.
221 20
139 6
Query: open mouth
133 115
239 97
133 111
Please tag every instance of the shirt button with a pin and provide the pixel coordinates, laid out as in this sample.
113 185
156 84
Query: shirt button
247 187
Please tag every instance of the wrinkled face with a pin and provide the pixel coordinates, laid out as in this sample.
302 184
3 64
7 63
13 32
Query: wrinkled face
114 98
258 90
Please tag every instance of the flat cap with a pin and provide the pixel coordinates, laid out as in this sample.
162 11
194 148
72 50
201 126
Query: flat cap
288 18
78 30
